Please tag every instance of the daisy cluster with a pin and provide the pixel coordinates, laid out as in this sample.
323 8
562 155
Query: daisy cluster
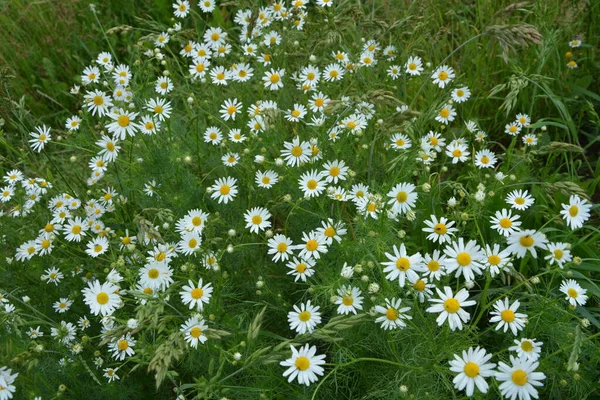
317 130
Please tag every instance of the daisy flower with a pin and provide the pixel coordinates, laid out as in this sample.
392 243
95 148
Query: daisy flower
400 142
111 374
435 140
331 231
224 190
123 124
422 289
472 368
62 305
505 223
266 179
460 95
414 66
40 138
394 72
182 8
219 75
109 148
160 107
435 265
272 79
53 275
91 74
281 246
519 199
196 295
312 183
446 114
485 159
318 102
230 109
349 300
393 315
401 266
442 76
403 197
519 379
301 268
207 6
242 72
156 275
73 123
257 219
519 243
163 85
450 307
333 72
123 347
576 212
296 152
101 298
507 317
497 260
304 365
465 259
189 243
98 102
296 114
439 230
530 139
513 129
97 247
576 295
559 254
313 245
458 152
304 318
194 329
528 348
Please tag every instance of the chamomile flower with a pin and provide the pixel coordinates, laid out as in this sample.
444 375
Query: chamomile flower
224 190
465 259
101 298
446 114
450 307
519 199
460 95
296 113
304 365
497 260
189 243
576 212
40 138
519 243
123 124
111 374
530 139
505 223
123 347
182 8
273 79
331 231
333 72
160 107
435 141
90 74
393 315
507 317
163 85
335 171
301 268
257 219
313 245
230 109
402 266
207 6
414 66
528 348
53 275
485 159
312 183
458 152
523 120
513 129
400 141
472 368
74 229
109 148
156 275
442 76
266 179
435 265
98 102
559 254
194 329
394 72
575 294
439 230
304 318
62 305
403 197
349 300
97 247
296 152
519 379
196 295
230 159
280 246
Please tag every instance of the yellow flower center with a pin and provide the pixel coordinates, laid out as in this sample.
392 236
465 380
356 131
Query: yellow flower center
98 248
485 160
463 259
433 265
123 345
282 247
471 369
300 268
400 142
334 171
225 190
312 245
451 305
572 293
153 273
526 241
526 346
419 285
401 197
347 300
573 211
440 228
329 232
444 113
302 363
494 259
412 66
457 153
519 377
558 254
256 219
231 110
197 293
460 93
196 221
391 314
192 243
102 298
123 121
508 315
45 243
274 78
403 263
505 223
312 184
304 316
195 332
442 76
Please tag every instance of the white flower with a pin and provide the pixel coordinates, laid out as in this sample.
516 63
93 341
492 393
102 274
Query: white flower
472 368
466 259
194 329
519 243
440 230
450 307
393 315
527 348
507 317
304 318
401 266
257 219
196 295
304 365
101 298
575 294
576 212
505 223
348 300
518 380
